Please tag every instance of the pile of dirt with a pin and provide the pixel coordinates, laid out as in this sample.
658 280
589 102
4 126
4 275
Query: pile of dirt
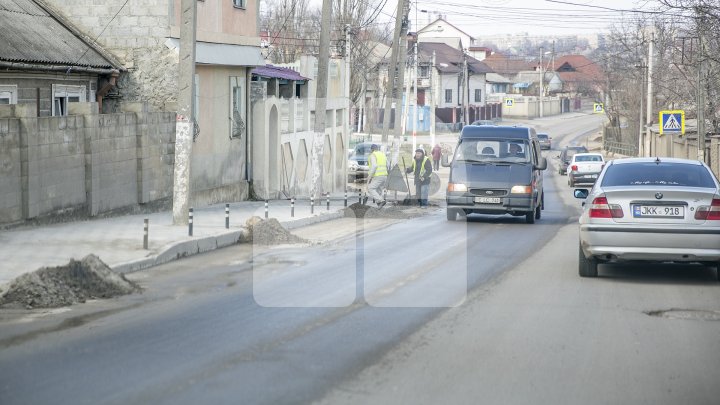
358 210
270 232
78 281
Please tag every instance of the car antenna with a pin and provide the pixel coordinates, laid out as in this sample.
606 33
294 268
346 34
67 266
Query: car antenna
657 160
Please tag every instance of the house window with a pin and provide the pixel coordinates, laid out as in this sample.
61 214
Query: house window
63 95
240 3
237 107
8 94
448 95
478 95
424 71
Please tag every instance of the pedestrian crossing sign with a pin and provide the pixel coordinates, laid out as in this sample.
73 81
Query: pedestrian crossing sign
509 102
672 122
598 108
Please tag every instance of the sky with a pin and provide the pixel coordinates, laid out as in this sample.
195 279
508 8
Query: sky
488 19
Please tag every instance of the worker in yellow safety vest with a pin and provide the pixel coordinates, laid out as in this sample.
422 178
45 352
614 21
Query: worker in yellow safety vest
422 168
377 176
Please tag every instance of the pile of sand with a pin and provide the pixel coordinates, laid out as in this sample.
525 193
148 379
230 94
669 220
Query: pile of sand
270 232
78 281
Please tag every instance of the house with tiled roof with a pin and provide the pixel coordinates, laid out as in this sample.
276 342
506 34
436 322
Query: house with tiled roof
579 76
46 60
441 31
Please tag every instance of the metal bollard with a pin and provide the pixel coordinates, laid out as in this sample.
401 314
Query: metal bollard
266 209
292 207
346 197
145 233
312 204
328 201
227 216
190 222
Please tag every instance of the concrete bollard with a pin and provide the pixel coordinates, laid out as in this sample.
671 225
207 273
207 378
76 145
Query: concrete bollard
190 222
328 201
360 196
266 209
312 204
346 197
227 216
292 207
146 225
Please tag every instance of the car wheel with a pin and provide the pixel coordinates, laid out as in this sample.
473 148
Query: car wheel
530 217
538 212
586 267
451 214
571 183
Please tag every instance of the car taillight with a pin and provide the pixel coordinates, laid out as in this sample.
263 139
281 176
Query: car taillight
573 168
601 209
709 212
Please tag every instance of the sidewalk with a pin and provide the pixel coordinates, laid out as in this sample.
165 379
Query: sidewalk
118 241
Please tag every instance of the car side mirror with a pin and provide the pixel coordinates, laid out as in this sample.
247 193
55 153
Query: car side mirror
581 193
444 161
542 164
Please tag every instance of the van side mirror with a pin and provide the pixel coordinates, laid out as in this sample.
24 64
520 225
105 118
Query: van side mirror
542 164
444 161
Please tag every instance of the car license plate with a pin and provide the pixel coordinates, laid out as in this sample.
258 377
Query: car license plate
658 211
488 200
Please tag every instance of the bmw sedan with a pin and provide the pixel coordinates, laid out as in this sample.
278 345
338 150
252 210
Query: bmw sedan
650 209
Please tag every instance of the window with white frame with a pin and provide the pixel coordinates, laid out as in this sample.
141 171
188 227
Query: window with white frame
448 95
237 107
478 95
8 94
240 3
424 71
63 95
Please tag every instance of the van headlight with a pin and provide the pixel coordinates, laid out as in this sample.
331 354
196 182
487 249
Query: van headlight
457 187
521 190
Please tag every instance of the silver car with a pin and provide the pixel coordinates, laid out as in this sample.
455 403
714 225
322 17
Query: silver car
650 209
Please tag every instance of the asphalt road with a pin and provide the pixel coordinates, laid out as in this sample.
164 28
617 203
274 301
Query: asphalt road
417 311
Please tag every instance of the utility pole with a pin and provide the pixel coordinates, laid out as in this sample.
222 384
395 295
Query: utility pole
648 115
184 124
433 102
392 69
415 89
402 61
701 98
542 79
465 92
318 144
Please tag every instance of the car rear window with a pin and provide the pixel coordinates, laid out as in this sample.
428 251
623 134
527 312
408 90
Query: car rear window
657 174
541 136
589 158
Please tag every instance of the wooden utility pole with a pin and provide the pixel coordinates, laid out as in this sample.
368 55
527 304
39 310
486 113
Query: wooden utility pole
184 125
318 145
392 69
648 115
701 96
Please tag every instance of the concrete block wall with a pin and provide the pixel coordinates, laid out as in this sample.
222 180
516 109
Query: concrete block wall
87 162
56 159
10 170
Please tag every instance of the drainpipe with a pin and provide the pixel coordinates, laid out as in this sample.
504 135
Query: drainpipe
102 92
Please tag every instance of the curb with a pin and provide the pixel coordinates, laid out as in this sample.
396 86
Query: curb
178 250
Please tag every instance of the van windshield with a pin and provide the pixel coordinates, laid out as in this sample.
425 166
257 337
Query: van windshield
492 151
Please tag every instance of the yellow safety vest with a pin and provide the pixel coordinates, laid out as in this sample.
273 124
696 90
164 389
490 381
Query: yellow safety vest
422 168
381 162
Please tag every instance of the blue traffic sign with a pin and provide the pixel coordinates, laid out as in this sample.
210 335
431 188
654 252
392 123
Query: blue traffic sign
672 122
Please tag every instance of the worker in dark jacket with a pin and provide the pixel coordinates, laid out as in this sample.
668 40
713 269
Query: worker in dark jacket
422 168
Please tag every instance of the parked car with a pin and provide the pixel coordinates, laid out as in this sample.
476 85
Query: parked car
566 155
584 168
484 122
545 141
650 209
358 166
496 170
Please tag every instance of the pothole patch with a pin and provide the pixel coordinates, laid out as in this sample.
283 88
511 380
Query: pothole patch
689 314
